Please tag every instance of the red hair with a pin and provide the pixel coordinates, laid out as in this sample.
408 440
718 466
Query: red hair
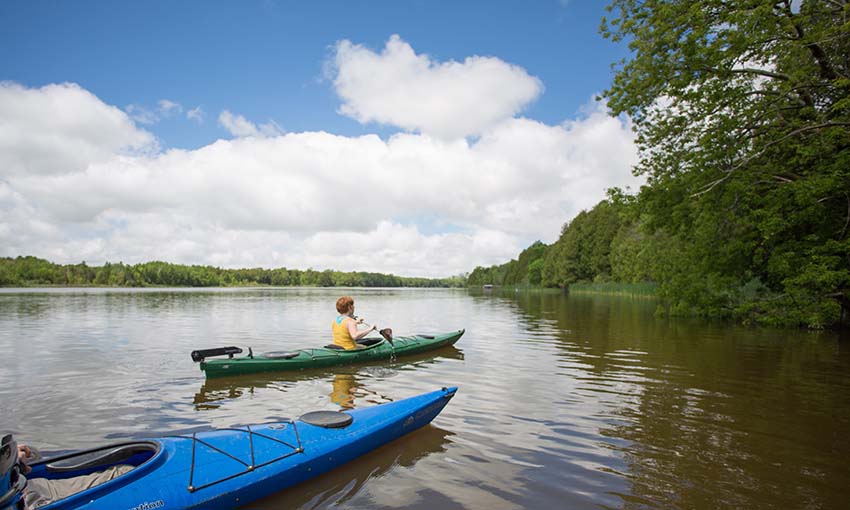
344 304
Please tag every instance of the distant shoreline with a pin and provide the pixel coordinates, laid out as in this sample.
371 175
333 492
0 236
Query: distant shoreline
33 272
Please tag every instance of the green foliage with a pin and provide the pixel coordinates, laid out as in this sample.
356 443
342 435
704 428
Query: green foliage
582 253
535 272
32 271
633 254
751 225
742 114
522 271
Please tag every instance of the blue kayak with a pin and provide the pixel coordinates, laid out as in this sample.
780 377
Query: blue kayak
226 468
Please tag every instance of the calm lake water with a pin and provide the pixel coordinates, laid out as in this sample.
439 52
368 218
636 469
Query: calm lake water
563 402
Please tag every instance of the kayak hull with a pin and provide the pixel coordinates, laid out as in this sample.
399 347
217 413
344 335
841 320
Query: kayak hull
323 357
223 469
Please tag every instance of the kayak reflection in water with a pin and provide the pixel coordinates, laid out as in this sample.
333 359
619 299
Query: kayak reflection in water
39 492
343 390
344 327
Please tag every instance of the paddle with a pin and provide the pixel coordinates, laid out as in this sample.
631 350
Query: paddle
387 333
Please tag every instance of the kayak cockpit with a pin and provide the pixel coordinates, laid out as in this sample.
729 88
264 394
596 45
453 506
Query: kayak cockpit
89 461
66 480
366 343
284 355
361 346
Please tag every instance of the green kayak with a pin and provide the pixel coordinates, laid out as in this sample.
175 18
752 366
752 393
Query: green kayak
372 349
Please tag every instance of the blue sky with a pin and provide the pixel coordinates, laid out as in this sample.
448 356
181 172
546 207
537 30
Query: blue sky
264 82
264 60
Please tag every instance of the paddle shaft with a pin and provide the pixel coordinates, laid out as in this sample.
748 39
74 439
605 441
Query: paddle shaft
387 333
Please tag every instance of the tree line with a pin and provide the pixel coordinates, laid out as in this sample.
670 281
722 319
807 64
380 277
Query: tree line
599 245
742 115
27 271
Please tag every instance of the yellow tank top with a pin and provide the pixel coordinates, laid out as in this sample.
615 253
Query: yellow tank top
342 337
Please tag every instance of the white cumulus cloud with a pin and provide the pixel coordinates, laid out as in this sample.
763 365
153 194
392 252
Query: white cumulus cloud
87 184
61 129
443 99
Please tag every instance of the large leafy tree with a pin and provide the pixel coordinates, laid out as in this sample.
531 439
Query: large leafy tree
743 119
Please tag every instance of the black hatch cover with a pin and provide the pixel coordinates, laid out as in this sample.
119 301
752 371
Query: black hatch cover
328 419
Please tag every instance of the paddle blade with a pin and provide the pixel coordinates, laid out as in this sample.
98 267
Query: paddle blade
387 333
201 354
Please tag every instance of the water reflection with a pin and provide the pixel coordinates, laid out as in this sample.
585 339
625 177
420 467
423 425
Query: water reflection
704 415
344 386
340 486
215 392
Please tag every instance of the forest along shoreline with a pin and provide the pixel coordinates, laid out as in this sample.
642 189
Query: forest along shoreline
745 214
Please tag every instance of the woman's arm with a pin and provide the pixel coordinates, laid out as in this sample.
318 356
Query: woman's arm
355 334
24 454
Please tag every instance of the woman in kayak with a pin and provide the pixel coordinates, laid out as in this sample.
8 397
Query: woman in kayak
344 327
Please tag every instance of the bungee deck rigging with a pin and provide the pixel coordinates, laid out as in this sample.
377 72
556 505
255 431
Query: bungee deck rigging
248 466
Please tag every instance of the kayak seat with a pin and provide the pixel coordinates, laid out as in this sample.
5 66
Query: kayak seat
281 354
104 457
334 347
328 419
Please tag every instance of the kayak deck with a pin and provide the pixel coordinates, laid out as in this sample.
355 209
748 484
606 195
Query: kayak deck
319 357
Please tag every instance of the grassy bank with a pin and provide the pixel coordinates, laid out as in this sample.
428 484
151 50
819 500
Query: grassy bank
615 289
